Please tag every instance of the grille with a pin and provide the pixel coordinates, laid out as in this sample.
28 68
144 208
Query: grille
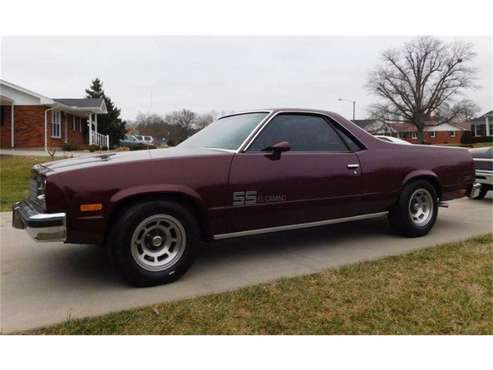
483 165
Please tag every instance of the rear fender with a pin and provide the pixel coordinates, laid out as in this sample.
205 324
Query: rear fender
424 175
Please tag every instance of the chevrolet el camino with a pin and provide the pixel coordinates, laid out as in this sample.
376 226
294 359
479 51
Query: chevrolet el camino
247 173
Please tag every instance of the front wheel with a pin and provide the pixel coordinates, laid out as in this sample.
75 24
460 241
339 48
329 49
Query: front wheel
154 242
416 210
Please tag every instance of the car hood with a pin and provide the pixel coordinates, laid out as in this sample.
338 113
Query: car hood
485 153
124 157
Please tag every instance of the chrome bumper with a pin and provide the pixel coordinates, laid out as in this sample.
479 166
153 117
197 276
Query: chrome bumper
474 193
484 177
42 227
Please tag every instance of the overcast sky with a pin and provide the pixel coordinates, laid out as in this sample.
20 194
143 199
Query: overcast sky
163 73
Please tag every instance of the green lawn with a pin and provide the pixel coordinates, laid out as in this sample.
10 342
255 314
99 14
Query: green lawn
15 172
442 290
482 145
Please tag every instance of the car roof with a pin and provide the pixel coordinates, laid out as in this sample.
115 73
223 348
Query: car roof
277 110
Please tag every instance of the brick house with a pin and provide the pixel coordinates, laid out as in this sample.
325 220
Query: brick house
435 134
375 127
31 120
444 133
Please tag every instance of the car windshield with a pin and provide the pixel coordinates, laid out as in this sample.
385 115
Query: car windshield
225 133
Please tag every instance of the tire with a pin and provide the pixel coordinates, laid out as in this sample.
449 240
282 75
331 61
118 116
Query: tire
483 191
416 211
154 242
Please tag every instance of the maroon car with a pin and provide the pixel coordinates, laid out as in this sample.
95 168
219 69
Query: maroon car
247 173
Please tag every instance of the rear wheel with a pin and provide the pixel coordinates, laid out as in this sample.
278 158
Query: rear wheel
416 210
154 242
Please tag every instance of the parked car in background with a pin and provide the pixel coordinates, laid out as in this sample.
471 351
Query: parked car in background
129 141
145 139
244 174
391 139
483 163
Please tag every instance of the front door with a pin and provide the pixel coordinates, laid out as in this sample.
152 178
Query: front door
317 179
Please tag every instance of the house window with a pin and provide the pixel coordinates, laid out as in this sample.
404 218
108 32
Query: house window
56 125
3 114
433 134
414 135
76 126
452 133
73 123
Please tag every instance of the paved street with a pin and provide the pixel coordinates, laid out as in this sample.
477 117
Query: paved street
42 284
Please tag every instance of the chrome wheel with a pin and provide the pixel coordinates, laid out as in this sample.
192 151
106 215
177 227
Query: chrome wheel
421 207
158 242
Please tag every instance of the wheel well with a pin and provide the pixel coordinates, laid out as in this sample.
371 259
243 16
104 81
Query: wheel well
180 198
432 180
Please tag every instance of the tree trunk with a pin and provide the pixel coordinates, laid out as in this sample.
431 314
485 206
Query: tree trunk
419 122
421 135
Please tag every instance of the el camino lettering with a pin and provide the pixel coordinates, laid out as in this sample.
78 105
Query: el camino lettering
245 198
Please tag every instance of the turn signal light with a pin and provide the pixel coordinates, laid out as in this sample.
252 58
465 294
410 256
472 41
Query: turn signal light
91 207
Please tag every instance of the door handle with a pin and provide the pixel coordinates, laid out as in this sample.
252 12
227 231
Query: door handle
353 166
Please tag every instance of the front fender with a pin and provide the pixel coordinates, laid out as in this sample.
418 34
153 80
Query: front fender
156 189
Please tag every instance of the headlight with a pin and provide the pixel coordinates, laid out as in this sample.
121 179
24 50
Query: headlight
38 189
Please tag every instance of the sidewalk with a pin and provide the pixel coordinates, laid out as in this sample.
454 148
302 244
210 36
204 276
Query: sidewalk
42 153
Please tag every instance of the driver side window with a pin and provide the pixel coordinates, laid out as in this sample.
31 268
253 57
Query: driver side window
304 133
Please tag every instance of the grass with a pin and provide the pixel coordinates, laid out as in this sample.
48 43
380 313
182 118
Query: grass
441 290
482 145
15 172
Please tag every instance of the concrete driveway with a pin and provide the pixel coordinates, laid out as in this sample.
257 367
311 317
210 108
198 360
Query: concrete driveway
43 284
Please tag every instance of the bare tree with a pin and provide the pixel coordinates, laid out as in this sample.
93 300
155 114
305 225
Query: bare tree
182 122
414 82
184 119
464 110
203 120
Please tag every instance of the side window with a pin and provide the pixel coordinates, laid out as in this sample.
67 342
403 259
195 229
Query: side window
304 133
353 145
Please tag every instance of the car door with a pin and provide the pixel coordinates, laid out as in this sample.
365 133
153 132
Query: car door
317 179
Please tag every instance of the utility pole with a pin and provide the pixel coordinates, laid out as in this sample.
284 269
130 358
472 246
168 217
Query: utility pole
354 106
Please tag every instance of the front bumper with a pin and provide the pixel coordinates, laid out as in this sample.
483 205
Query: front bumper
43 227
484 177
475 189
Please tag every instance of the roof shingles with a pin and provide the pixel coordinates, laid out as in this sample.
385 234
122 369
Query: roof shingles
82 103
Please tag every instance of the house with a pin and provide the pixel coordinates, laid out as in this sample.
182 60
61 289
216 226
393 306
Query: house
434 133
375 127
483 126
31 120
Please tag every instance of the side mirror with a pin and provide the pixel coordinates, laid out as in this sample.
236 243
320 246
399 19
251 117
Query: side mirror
278 148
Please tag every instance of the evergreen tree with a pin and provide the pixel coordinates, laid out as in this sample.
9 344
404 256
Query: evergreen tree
108 124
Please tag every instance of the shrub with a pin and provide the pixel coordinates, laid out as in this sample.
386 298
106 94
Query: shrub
69 147
142 147
468 138
93 147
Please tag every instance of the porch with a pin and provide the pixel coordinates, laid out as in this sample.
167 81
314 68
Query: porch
32 121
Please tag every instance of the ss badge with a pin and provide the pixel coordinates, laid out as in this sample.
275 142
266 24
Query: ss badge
244 198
